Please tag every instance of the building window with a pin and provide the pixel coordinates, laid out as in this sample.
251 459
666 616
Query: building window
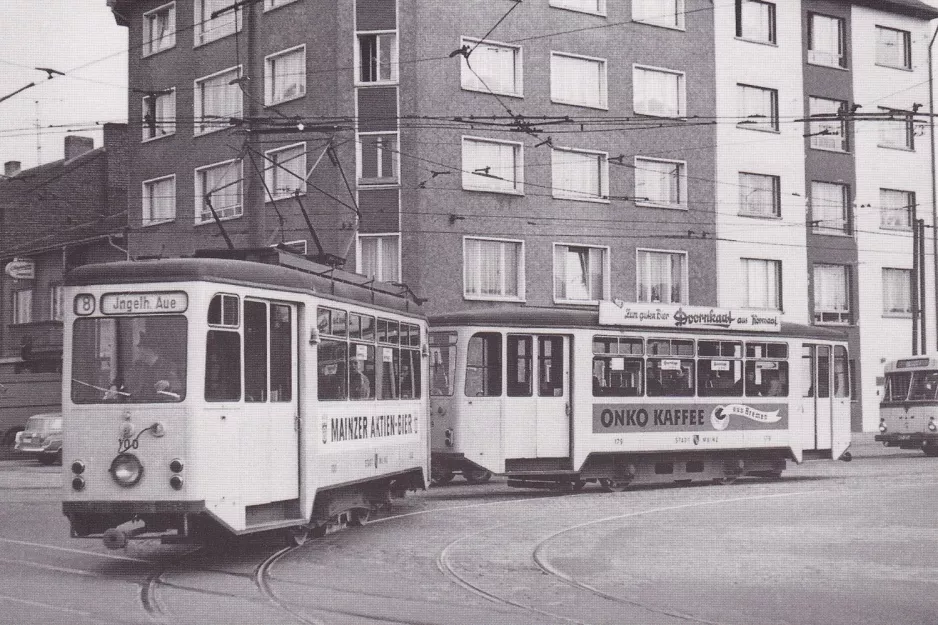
662 276
580 273
159 200
23 306
597 7
759 195
828 128
830 208
667 13
827 40
578 80
658 92
493 269
222 184
159 114
285 76
897 292
377 57
579 175
758 108
56 302
763 287
896 209
831 294
159 29
896 130
378 158
285 173
209 29
755 20
217 100
660 183
273 4
379 257
492 166
893 48
492 68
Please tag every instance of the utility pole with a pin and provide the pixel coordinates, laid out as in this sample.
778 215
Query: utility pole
934 184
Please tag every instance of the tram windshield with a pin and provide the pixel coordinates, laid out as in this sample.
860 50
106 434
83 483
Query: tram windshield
911 386
129 360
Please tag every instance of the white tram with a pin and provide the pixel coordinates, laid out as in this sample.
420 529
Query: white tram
554 398
908 413
284 395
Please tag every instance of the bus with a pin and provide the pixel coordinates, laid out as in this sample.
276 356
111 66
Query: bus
228 396
633 393
909 409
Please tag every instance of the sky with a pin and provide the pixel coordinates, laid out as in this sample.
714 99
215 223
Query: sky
77 37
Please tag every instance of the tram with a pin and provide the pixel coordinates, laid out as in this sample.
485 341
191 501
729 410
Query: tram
908 413
633 394
223 396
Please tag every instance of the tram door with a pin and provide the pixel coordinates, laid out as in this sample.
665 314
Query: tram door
817 402
553 397
269 436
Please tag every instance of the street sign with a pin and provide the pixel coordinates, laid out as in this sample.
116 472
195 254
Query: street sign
21 269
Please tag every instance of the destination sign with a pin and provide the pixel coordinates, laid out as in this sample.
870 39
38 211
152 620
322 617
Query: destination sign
642 315
912 362
144 303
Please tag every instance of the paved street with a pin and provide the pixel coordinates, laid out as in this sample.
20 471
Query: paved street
831 543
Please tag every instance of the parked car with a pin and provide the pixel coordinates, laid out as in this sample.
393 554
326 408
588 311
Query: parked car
42 437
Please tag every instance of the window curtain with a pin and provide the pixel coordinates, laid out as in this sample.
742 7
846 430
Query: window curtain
499 158
165 114
896 207
577 174
757 195
762 288
828 205
897 291
576 80
492 267
756 20
825 39
658 181
657 93
288 73
830 288
492 67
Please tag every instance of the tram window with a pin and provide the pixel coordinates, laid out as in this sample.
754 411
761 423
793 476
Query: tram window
412 334
618 345
617 376
223 310
332 356
387 331
727 349
668 347
766 378
519 364
255 351
361 368
766 350
669 377
281 353
807 370
329 321
410 371
550 366
222 366
388 373
719 377
442 363
823 367
484 365
841 372
897 386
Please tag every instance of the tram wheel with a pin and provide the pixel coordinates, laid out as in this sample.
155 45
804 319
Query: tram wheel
614 486
439 477
477 476
296 536
726 480
358 516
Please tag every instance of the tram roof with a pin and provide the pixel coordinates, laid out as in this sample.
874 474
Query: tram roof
546 317
300 275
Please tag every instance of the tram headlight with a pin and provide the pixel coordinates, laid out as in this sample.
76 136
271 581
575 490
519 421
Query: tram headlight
176 465
126 469
931 425
448 435
78 467
78 483
882 425
176 482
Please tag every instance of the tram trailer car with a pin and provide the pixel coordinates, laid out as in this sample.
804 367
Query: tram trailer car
908 413
260 417
556 398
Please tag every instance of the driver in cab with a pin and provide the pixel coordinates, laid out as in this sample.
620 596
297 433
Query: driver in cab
152 377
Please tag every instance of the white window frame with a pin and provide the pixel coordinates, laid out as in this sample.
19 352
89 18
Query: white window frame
839 127
577 5
827 58
674 20
469 68
164 123
202 30
906 37
395 175
270 178
639 103
200 193
56 302
746 190
146 216
270 61
767 265
601 160
907 313
832 316
753 121
741 29
472 181
844 227
682 203
22 311
381 238
166 42
605 278
199 126
520 271
556 95
394 62
270 5
641 267
888 128
886 211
